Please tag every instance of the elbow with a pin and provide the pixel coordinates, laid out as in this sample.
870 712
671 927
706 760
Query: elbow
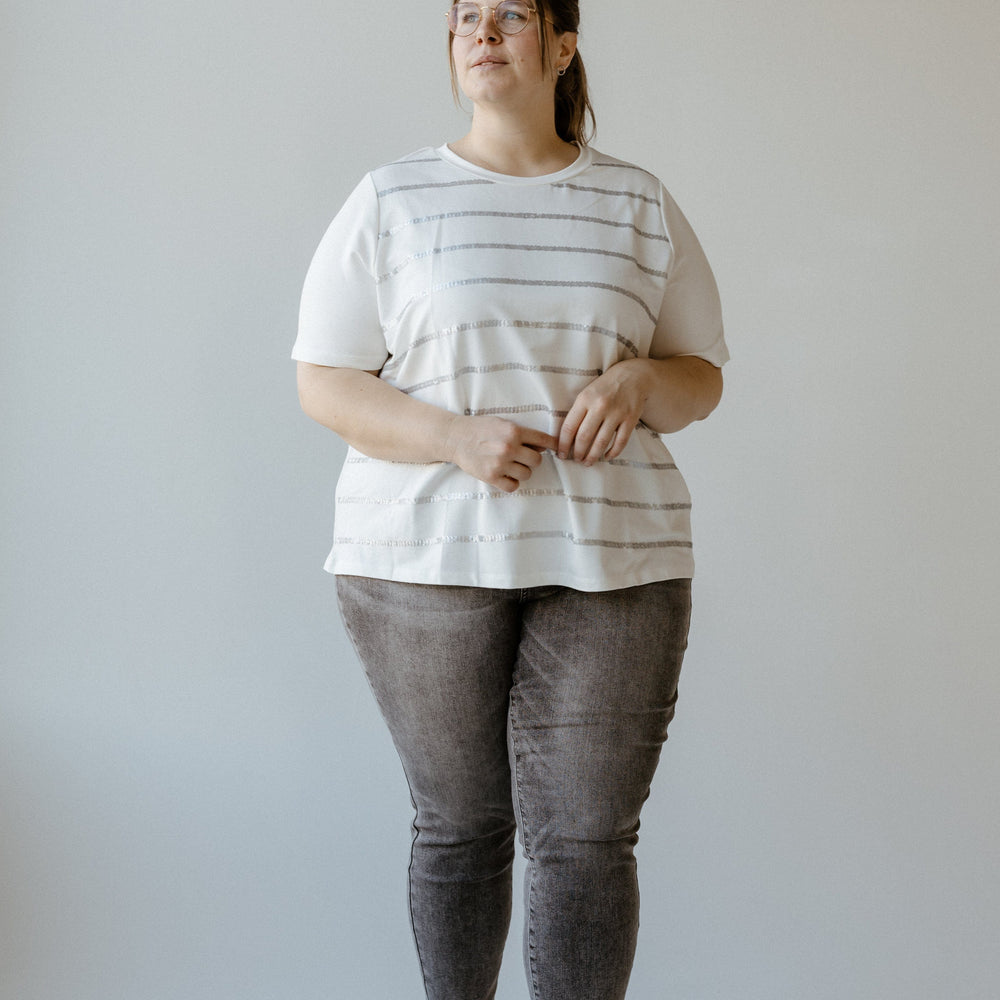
307 379
712 394
306 401
305 398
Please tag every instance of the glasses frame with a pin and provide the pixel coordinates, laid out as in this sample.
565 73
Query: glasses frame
493 15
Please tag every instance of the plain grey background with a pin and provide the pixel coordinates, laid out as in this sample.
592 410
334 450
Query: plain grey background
197 800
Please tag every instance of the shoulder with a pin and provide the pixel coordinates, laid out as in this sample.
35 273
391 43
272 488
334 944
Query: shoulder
630 176
421 168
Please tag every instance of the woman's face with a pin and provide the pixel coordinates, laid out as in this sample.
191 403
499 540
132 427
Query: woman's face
493 67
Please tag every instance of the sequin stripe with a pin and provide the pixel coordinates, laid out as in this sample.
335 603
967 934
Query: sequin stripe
495 369
518 283
620 165
623 463
406 161
520 536
516 324
426 186
649 466
533 216
617 194
557 494
527 247
509 411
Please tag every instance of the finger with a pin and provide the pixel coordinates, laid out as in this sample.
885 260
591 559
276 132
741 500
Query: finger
568 431
517 475
528 456
538 440
585 437
523 471
602 441
622 437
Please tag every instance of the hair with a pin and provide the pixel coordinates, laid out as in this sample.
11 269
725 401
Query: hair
575 121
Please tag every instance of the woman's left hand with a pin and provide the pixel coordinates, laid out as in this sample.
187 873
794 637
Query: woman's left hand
603 416
667 394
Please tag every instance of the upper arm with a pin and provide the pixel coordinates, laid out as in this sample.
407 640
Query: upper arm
690 315
323 380
339 322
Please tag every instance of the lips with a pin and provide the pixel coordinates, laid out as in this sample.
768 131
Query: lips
489 61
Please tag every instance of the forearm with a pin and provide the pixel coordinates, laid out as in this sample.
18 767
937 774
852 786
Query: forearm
675 391
374 417
382 422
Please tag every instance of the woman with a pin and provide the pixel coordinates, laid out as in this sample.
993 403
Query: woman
500 328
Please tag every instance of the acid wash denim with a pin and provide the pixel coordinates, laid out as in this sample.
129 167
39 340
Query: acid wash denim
541 710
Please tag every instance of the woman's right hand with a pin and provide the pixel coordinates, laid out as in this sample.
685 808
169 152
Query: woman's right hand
382 422
497 452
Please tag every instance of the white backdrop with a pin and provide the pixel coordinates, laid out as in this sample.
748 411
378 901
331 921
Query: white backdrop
198 799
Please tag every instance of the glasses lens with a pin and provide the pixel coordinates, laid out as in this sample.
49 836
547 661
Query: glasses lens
511 16
463 18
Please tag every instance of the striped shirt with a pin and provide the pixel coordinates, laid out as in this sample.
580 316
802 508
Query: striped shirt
484 293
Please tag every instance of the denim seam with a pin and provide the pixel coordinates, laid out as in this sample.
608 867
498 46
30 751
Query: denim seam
530 913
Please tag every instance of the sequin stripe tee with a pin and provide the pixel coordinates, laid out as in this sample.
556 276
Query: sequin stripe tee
483 293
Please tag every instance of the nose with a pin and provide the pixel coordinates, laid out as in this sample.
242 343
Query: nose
486 30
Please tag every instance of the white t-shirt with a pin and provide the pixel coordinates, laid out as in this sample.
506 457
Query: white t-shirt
484 293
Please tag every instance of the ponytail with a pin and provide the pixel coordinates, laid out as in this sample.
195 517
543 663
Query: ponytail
573 106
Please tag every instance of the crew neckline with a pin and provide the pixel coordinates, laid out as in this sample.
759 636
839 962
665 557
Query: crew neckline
577 166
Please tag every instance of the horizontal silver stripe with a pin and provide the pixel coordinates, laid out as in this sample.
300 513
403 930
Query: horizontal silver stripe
366 460
498 495
522 536
652 466
437 251
495 411
427 186
534 216
622 463
517 324
622 166
621 194
519 283
494 369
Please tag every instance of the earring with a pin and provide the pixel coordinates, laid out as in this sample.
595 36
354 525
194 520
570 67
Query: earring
562 70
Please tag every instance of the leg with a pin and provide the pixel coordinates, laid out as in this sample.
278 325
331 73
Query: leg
594 691
440 660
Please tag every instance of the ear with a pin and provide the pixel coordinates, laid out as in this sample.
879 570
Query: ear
566 48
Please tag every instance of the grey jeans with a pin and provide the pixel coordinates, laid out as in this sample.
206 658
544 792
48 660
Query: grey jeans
542 710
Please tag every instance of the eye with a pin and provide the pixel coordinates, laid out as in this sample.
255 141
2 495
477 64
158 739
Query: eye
512 13
466 13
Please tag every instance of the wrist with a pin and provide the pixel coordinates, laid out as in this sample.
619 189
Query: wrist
638 375
450 437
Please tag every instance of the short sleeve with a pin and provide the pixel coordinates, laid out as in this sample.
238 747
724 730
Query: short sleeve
339 323
690 317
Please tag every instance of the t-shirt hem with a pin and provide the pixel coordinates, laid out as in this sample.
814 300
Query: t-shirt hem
682 570
339 360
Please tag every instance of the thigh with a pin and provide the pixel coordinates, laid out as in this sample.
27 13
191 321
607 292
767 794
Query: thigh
595 690
439 661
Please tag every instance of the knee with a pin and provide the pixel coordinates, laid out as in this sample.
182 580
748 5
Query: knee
475 848
581 826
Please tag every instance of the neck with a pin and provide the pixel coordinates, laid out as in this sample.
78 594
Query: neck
515 144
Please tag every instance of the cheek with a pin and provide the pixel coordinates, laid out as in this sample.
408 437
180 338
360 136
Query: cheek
528 50
461 48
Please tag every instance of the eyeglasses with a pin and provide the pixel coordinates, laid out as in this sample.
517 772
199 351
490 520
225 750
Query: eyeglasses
510 17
